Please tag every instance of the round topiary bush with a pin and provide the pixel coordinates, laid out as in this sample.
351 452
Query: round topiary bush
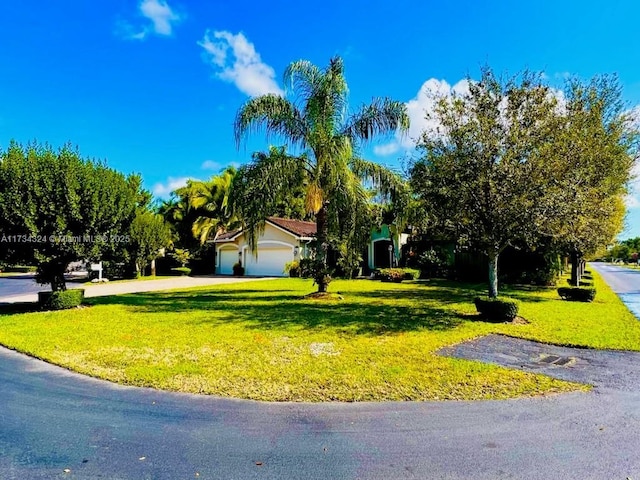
61 300
498 310
577 294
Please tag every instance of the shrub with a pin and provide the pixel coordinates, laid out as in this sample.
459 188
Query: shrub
396 274
292 268
306 267
496 309
410 273
577 294
181 271
61 299
389 275
238 270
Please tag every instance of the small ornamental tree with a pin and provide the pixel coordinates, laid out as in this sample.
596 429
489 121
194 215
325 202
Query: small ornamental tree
149 233
57 208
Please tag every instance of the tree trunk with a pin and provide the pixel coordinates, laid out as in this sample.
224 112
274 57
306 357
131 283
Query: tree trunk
153 267
322 233
58 282
575 269
493 274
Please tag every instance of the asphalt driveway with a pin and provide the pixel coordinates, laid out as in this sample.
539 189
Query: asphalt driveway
23 288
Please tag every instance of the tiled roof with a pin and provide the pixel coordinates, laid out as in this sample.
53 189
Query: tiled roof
227 235
296 227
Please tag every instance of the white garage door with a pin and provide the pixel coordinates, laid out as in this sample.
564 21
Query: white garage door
228 257
270 261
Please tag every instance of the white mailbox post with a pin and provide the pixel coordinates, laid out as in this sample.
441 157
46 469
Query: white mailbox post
97 267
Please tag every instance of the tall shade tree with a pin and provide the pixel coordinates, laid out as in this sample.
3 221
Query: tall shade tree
589 168
479 177
57 207
316 124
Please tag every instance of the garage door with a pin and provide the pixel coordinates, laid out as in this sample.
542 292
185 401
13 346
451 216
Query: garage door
228 257
270 261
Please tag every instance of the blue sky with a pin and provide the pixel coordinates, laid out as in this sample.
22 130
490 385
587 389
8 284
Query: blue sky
153 86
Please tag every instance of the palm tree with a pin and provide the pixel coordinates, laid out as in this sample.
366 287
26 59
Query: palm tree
210 200
315 123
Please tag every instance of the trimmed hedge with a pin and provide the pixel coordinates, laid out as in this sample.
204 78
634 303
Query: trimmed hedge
61 300
182 271
396 274
577 294
499 310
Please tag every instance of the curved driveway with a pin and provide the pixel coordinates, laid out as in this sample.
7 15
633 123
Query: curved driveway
52 420
23 288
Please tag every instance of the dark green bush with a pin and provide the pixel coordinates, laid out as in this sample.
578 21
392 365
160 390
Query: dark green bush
181 271
496 309
238 270
306 267
61 300
292 269
577 294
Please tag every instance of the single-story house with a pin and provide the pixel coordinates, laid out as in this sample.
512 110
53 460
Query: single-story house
282 241
285 240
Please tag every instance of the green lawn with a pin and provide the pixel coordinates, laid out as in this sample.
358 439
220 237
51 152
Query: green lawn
261 340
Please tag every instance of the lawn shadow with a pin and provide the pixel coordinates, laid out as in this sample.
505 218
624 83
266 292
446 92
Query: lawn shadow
361 312
17 308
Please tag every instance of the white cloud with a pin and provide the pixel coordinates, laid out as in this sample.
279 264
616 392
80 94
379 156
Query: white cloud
386 149
163 190
424 102
632 201
210 165
235 60
160 15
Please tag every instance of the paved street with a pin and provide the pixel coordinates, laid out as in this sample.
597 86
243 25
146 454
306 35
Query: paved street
624 281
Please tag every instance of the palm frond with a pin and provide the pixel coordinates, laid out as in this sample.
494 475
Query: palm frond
259 185
379 176
302 77
383 116
274 114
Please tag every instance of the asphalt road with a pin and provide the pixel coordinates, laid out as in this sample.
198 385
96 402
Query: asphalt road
52 420
624 281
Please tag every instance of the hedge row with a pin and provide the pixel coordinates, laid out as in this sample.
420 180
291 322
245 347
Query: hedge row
61 299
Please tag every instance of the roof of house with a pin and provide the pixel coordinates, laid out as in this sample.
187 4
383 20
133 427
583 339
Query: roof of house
297 228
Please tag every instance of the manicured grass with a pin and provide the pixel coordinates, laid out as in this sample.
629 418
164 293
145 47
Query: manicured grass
263 341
